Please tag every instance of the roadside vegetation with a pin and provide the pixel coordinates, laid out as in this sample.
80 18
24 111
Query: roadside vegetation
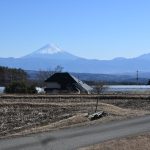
139 142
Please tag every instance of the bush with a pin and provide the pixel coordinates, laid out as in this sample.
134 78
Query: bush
20 87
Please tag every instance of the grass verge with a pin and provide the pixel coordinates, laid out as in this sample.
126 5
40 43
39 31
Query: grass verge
139 142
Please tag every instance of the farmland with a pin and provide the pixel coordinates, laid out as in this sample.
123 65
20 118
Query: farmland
36 113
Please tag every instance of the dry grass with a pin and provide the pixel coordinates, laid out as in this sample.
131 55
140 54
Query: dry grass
115 110
114 113
140 142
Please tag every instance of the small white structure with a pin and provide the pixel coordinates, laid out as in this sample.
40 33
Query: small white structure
2 90
40 90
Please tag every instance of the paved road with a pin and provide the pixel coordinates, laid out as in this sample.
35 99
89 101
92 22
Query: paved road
73 138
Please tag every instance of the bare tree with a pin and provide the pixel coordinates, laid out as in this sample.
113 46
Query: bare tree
58 68
42 75
99 88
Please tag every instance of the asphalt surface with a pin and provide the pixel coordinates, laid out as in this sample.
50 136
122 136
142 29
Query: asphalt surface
77 137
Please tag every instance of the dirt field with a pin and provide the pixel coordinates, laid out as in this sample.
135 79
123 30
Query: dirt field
35 113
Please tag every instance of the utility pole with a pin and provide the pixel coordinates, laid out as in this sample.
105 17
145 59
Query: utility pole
137 77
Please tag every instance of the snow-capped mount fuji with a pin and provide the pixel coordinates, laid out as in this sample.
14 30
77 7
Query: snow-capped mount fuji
51 51
48 49
49 56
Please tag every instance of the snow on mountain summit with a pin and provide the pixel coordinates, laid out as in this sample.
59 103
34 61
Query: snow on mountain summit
48 49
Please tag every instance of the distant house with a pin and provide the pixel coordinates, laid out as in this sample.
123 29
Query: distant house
66 83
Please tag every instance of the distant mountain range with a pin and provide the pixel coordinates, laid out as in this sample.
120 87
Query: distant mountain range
49 56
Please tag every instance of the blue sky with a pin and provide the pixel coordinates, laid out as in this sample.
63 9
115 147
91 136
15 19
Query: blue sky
101 29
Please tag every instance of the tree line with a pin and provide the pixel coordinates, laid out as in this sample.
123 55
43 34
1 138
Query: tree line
15 81
8 75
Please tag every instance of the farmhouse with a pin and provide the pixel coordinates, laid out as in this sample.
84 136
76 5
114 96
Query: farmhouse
66 83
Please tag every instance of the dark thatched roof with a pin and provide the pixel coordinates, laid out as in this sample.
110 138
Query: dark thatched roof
67 79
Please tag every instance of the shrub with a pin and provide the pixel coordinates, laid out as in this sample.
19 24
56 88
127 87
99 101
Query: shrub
19 87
